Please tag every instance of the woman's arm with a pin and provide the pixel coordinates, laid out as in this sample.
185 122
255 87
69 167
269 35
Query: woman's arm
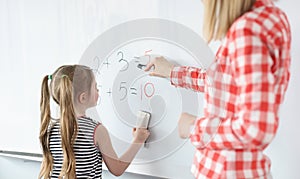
185 77
117 165
188 77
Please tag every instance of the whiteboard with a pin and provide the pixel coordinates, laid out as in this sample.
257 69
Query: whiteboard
118 57
38 36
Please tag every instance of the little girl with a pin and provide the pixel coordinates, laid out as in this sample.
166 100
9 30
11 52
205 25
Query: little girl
74 145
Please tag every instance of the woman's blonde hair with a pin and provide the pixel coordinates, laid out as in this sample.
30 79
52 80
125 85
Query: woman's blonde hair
66 84
219 15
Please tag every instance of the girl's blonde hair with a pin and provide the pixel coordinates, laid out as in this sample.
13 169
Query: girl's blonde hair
219 15
67 83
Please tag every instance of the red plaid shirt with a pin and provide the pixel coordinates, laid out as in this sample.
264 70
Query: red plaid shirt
243 89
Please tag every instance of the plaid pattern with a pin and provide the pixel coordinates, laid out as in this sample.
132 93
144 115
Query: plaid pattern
243 89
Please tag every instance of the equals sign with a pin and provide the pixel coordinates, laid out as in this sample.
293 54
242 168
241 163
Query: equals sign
133 91
137 59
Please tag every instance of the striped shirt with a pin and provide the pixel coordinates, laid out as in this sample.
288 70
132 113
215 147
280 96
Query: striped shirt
88 158
243 90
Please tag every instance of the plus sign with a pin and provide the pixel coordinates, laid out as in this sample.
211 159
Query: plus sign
109 92
106 63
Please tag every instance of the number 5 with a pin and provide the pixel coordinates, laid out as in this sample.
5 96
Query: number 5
123 87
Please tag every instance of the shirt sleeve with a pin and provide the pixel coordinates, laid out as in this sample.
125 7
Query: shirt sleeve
256 121
188 77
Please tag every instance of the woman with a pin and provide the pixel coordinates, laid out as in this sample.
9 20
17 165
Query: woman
244 88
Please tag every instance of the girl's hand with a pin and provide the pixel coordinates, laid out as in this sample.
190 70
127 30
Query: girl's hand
186 121
140 135
162 67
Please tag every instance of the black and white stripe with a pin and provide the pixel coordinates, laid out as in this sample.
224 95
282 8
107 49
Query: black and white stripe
88 157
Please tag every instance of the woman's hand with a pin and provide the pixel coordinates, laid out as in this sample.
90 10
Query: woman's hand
140 135
162 67
186 121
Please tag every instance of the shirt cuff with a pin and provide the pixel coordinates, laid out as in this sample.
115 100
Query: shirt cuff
174 77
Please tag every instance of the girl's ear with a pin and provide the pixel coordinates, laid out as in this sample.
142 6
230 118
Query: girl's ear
82 98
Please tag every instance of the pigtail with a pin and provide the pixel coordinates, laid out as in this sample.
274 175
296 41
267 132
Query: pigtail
64 90
46 166
68 124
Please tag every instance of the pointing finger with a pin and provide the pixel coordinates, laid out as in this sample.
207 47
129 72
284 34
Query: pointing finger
149 65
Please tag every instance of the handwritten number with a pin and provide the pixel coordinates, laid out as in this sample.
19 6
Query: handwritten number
122 59
151 85
123 87
97 60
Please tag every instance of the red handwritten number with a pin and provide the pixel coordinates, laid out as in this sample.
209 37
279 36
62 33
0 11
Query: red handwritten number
146 54
148 84
145 89
148 51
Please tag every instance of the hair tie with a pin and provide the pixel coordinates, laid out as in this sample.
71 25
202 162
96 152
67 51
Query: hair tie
62 76
49 77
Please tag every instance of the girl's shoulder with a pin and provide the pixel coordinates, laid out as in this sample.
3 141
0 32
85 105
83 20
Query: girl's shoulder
90 120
